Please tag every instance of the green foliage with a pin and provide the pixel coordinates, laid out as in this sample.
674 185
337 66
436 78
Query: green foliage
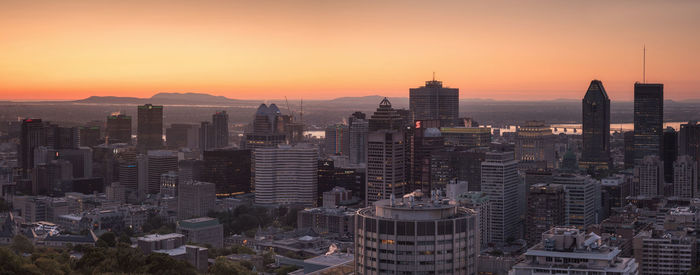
223 266
124 259
21 244
268 258
235 249
4 205
290 218
108 239
286 269
694 271
155 225
243 218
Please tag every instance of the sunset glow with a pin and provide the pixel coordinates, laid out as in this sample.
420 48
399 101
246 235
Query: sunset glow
328 49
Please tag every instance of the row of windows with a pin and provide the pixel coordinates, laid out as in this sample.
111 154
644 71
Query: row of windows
409 228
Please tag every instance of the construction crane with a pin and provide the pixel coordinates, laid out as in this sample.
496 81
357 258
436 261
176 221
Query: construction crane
289 108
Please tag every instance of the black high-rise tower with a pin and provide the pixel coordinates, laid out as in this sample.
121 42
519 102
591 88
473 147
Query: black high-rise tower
596 127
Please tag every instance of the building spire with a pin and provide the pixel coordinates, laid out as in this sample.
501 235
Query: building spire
433 76
644 65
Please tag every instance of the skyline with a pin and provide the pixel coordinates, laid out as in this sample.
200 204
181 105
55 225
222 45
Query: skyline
325 50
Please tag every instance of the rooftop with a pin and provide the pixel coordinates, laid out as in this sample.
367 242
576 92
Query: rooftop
158 237
198 223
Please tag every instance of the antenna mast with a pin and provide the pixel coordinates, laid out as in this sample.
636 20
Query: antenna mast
644 65
433 76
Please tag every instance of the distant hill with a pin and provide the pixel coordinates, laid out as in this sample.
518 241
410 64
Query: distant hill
162 98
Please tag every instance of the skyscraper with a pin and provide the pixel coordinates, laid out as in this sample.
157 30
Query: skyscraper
386 154
535 143
206 136
649 176
546 208
149 132
286 175
358 127
582 199
434 102
118 129
180 135
267 128
159 162
220 124
685 177
337 140
596 128
426 143
33 135
648 120
670 152
397 237
499 181
689 140
228 169
195 199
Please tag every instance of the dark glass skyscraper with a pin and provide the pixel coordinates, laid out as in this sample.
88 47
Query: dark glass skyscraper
434 102
670 152
648 120
229 170
118 129
150 127
596 127
220 123
33 135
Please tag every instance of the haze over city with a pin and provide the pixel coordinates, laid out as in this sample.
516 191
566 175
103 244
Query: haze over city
326 49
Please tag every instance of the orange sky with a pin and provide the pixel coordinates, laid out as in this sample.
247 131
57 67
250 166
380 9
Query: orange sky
324 49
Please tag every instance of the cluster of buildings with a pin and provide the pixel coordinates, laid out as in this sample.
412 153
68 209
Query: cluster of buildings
403 191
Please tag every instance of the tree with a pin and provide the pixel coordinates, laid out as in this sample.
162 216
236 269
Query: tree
108 239
223 266
124 238
4 206
21 244
158 263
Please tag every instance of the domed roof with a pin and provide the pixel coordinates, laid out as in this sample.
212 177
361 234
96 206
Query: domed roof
432 132
262 110
273 109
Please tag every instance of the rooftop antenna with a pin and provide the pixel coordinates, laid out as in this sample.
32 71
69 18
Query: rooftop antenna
433 76
301 112
644 65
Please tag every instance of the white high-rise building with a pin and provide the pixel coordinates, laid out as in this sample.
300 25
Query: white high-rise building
499 181
582 199
385 165
286 175
649 177
685 177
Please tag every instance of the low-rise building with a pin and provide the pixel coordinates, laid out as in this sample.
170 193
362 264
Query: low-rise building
151 243
328 221
567 250
665 252
203 230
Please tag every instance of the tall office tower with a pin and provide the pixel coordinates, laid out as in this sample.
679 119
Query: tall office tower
466 137
397 237
118 129
499 181
670 152
286 175
614 192
168 184
480 203
220 122
149 131
358 127
337 140
629 149
195 199
386 118
648 120
190 169
685 177
665 252
267 130
426 143
48 178
159 162
458 164
80 159
596 128
546 206
206 136
434 102
582 199
67 137
228 169
565 250
689 140
535 143
133 177
649 177
385 165
89 136
33 135
182 136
